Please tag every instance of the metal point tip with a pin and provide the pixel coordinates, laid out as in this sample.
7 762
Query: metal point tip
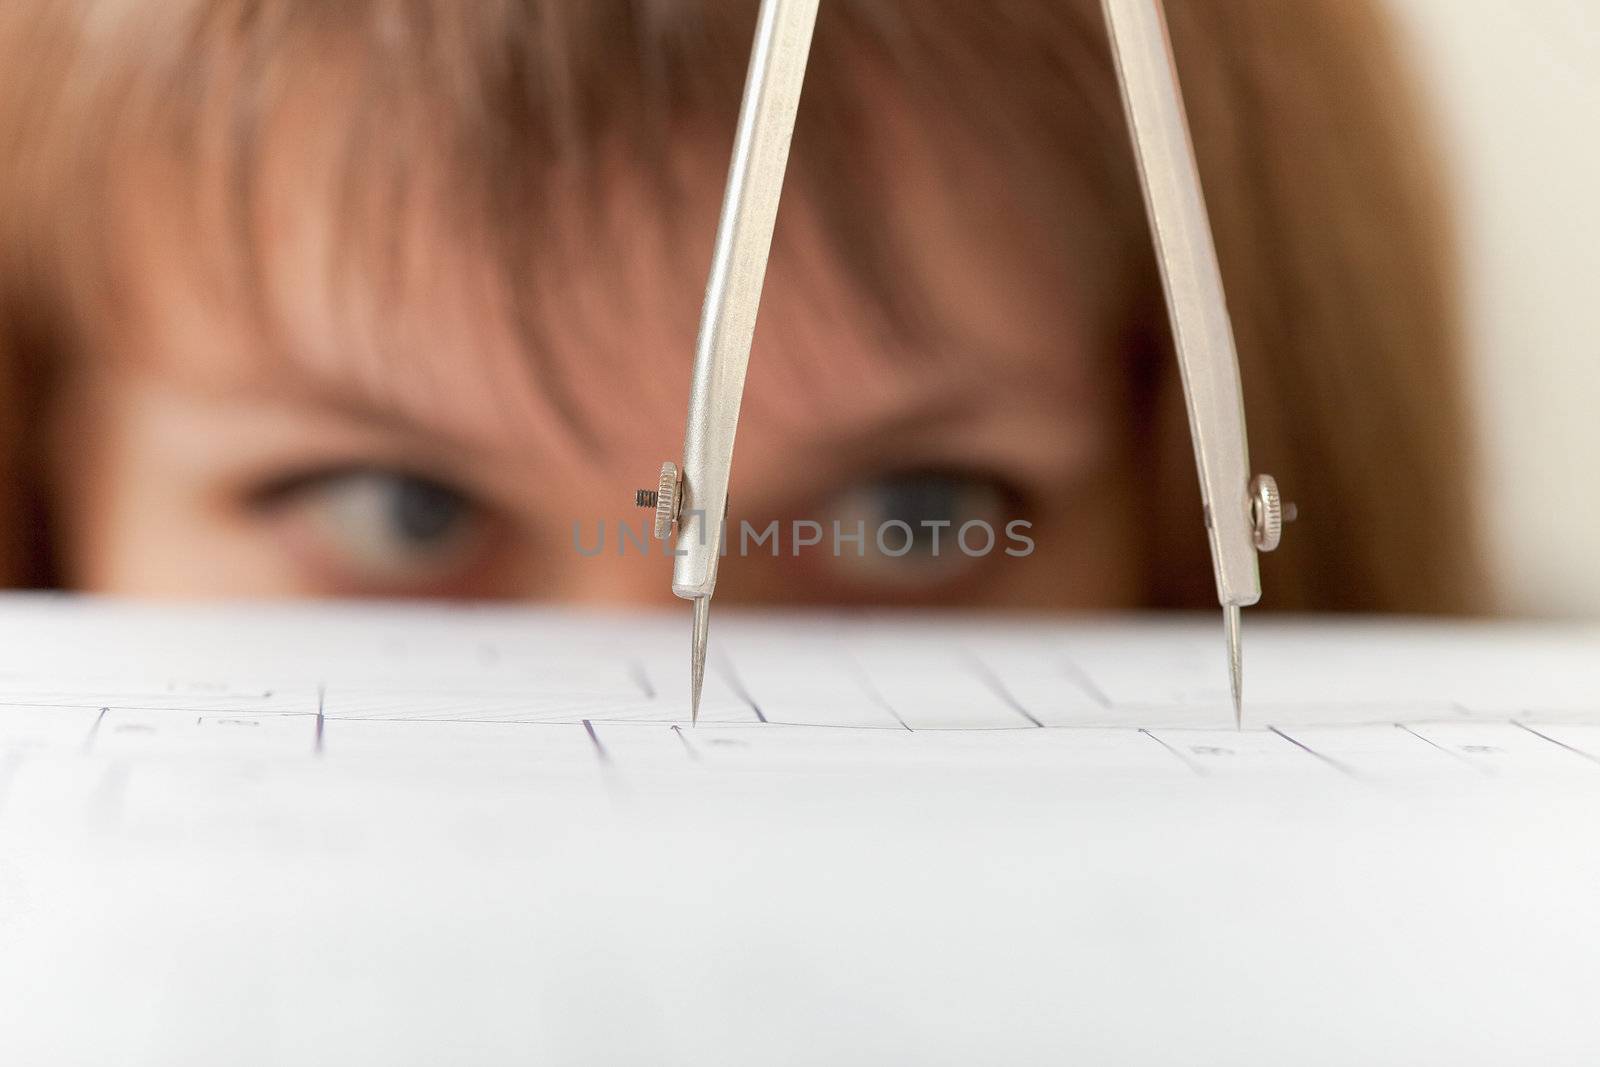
697 661
1235 663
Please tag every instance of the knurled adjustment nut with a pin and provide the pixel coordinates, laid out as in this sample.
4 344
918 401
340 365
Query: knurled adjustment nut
1266 512
667 500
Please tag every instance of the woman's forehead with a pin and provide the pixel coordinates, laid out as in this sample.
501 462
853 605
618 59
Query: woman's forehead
593 339
364 200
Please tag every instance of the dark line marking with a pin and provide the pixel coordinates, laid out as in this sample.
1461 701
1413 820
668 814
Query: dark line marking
1447 751
1187 762
486 722
705 723
694 753
997 687
47 704
725 723
94 731
1591 757
636 671
136 703
316 744
725 667
1081 679
1338 765
127 700
874 694
897 727
599 749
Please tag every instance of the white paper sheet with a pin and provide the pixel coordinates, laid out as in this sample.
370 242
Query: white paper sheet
287 834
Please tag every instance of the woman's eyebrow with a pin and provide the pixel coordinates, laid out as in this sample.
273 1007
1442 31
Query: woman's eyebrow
912 420
482 407
958 424
924 429
350 400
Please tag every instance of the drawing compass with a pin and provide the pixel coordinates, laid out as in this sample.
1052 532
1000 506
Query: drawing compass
1243 515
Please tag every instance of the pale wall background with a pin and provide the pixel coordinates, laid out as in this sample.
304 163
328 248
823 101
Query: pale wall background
1516 84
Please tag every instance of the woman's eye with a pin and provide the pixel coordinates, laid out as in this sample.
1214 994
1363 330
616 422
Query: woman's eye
379 529
917 529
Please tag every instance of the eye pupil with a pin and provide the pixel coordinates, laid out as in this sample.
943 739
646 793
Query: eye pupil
424 511
914 500
922 499
912 524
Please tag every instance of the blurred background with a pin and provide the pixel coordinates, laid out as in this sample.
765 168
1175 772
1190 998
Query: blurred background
1516 88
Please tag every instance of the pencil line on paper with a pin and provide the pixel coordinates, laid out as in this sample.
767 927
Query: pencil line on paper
641 679
1447 751
568 720
594 738
130 703
93 735
93 698
705 723
874 694
1187 762
725 667
997 687
48 704
694 753
896 727
1337 765
1576 751
1080 678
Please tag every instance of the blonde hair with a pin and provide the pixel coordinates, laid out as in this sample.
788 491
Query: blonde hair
1325 200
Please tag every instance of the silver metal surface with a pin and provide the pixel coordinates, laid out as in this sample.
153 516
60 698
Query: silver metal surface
1201 330
733 290
667 500
697 655
1267 512
1230 620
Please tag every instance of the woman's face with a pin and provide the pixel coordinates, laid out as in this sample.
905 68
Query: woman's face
429 453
